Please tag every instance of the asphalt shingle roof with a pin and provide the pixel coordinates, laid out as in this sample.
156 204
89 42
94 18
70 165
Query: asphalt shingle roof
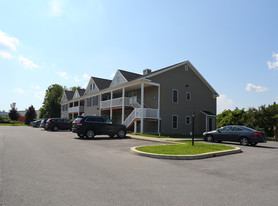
130 75
69 95
102 83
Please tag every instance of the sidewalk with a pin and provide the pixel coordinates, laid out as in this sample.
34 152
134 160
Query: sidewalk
156 139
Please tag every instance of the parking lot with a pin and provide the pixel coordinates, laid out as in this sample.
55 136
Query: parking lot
39 167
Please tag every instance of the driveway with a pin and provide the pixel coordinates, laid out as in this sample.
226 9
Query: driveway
38 167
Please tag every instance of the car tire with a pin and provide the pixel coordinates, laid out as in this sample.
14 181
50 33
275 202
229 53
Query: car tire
253 144
209 138
55 128
244 141
90 134
121 133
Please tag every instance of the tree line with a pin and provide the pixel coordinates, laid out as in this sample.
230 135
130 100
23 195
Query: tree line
263 118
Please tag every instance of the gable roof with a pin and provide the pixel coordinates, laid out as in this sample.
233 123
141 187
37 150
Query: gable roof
129 76
81 92
188 63
102 83
69 95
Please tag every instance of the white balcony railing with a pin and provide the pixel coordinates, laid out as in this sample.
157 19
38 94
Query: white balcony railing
137 114
118 102
76 109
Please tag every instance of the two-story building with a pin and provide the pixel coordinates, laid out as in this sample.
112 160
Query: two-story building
162 101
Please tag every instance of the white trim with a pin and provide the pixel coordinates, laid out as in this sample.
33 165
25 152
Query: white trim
114 78
123 105
175 115
142 107
173 96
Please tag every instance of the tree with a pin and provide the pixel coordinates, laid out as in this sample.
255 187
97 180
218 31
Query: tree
51 105
74 88
13 113
30 115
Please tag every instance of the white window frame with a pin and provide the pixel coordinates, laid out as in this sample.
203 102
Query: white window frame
173 96
174 115
186 96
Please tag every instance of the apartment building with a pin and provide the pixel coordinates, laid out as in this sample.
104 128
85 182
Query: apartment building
163 101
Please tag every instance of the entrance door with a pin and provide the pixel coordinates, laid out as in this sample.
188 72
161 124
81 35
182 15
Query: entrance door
210 124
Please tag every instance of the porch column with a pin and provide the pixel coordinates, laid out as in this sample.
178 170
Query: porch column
111 93
158 110
142 108
123 105
206 123
100 96
135 126
78 107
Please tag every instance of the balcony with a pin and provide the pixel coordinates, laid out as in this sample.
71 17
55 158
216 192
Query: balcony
118 102
76 109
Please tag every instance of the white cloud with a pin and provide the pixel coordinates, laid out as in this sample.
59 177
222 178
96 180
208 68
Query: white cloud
5 55
63 75
37 87
56 7
253 88
273 65
27 63
39 95
112 75
19 90
7 45
77 79
276 100
223 103
86 76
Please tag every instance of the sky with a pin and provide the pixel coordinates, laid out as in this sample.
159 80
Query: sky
233 44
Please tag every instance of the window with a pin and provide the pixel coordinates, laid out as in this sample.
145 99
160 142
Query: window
94 85
118 80
175 121
91 86
95 101
89 102
188 96
188 120
175 96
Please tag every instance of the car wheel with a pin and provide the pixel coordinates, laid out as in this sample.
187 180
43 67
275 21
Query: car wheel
209 138
121 133
80 135
55 128
253 144
90 134
244 141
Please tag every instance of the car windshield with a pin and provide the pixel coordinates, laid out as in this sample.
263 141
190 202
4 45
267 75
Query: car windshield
109 121
77 120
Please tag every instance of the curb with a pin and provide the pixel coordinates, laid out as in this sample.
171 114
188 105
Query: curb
185 157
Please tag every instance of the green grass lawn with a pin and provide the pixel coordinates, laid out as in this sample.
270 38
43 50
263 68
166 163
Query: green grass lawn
11 124
185 148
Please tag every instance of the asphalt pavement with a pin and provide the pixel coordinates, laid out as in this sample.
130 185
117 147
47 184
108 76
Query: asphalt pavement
38 167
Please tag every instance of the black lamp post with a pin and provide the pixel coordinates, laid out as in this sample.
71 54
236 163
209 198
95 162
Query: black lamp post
193 115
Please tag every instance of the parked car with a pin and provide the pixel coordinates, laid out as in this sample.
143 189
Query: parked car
43 123
36 123
236 133
56 124
89 126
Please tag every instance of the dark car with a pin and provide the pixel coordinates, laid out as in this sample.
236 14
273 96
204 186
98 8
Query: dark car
56 124
43 123
235 133
90 126
36 123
